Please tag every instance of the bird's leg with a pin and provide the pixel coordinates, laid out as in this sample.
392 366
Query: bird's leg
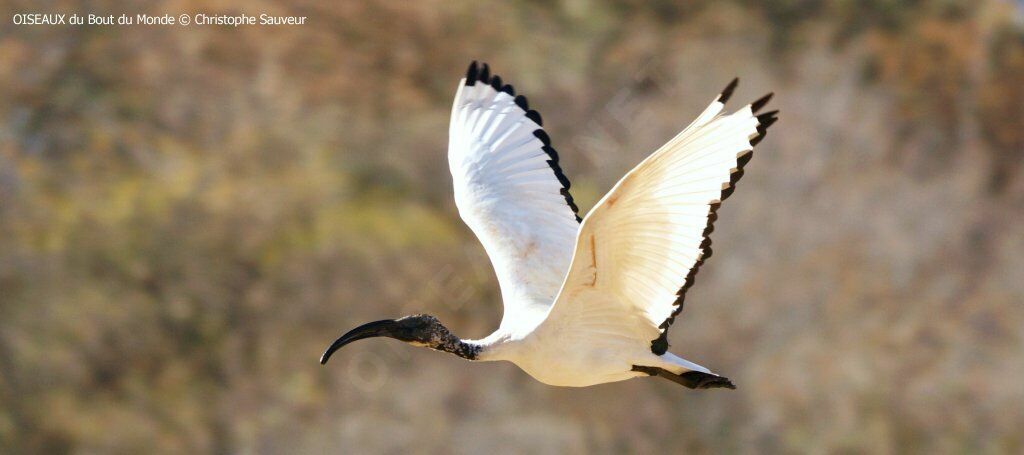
690 379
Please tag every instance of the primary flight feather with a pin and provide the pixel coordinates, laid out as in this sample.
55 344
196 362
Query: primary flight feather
585 301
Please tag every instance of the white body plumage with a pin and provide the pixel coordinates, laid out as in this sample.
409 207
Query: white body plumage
583 302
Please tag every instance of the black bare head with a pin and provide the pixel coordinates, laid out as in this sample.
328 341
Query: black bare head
417 330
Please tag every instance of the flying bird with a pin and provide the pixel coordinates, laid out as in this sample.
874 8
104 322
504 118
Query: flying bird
586 301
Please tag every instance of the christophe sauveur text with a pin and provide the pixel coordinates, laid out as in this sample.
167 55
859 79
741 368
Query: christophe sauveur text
155 19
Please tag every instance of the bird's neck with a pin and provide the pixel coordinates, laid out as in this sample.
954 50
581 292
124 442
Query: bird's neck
452 344
442 339
489 348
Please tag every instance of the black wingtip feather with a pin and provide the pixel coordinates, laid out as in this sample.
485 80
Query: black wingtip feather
471 73
761 102
482 73
535 116
763 122
551 152
767 119
540 134
485 74
561 177
743 160
660 345
727 91
522 102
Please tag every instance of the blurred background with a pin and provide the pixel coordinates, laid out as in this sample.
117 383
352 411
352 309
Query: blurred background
188 216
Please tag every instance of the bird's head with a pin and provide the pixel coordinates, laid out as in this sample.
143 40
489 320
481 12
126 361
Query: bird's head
418 330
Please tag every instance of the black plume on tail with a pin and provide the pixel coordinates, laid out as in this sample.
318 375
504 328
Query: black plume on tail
690 379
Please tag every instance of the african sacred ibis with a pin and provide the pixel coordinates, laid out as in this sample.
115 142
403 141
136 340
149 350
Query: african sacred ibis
585 301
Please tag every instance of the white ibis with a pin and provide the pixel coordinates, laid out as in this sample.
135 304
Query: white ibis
585 301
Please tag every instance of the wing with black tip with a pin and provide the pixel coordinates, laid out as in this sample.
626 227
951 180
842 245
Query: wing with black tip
640 247
512 193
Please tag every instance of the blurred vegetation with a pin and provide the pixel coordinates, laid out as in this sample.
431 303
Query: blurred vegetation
189 215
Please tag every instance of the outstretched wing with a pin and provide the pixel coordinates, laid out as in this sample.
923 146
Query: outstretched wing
511 192
638 250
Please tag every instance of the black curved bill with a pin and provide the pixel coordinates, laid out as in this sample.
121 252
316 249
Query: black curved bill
368 330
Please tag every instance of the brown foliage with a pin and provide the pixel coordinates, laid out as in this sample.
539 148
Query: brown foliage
189 215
